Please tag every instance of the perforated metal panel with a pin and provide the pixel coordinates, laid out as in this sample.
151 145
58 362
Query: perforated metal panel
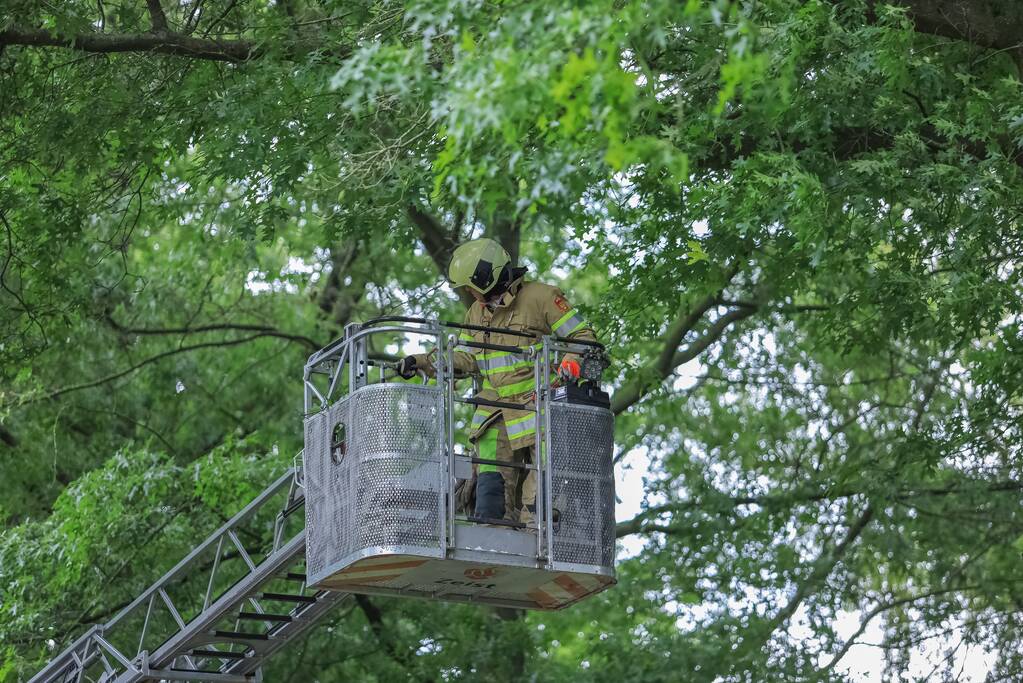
386 490
399 503
399 439
582 484
399 420
315 471
329 490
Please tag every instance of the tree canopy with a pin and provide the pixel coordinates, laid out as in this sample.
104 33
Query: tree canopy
796 224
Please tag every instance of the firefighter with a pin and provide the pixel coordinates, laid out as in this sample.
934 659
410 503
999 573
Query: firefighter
505 299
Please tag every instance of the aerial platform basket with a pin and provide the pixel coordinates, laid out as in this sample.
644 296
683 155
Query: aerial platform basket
381 471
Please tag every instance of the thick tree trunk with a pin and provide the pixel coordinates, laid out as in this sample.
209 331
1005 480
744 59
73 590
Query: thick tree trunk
994 24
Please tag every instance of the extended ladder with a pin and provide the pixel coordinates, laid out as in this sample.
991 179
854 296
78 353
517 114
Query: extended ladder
218 614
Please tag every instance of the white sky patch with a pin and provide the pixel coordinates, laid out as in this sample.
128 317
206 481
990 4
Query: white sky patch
258 281
428 646
297 265
630 489
688 374
865 660
558 273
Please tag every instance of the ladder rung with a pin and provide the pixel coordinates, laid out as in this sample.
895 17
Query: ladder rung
219 654
238 635
496 522
494 404
287 597
295 576
492 347
294 506
256 616
176 674
503 463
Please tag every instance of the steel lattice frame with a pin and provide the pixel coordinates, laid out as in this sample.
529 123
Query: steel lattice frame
198 650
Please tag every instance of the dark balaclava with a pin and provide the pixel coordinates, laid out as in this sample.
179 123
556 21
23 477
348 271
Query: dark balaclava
508 276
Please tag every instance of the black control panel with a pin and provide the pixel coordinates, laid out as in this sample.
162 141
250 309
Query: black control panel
587 393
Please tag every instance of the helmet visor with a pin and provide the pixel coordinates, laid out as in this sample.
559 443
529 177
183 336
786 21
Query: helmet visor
483 277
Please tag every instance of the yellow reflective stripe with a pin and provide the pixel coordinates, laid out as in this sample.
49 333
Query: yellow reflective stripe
480 416
520 427
561 321
522 387
487 384
487 446
509 368
466 349
502 360
567 324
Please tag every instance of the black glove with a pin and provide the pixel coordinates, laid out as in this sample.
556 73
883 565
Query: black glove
407 367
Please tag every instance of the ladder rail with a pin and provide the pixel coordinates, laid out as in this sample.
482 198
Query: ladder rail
286 633
238 593
71 658
229 526
95 646
196 632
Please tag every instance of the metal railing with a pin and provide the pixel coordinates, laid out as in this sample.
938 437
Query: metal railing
350 355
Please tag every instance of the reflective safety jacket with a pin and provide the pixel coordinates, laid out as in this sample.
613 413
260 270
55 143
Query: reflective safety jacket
530 307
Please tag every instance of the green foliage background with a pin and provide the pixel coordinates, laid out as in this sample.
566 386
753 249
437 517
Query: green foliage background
796 223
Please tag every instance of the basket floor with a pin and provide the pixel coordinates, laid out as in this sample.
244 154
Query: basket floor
462 581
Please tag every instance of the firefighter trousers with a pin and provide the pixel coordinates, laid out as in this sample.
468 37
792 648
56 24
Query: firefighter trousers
504 492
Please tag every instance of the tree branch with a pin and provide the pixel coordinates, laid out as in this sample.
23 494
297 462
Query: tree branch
968 20
162 43
220 18
669 358
194 15
794 308
439 244
337 299
849 143
509 234
25 308
128 418
148 361
883 607
375 618
677 331
897 602
266 330
157 17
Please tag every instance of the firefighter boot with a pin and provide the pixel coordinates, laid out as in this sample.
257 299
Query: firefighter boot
490 495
